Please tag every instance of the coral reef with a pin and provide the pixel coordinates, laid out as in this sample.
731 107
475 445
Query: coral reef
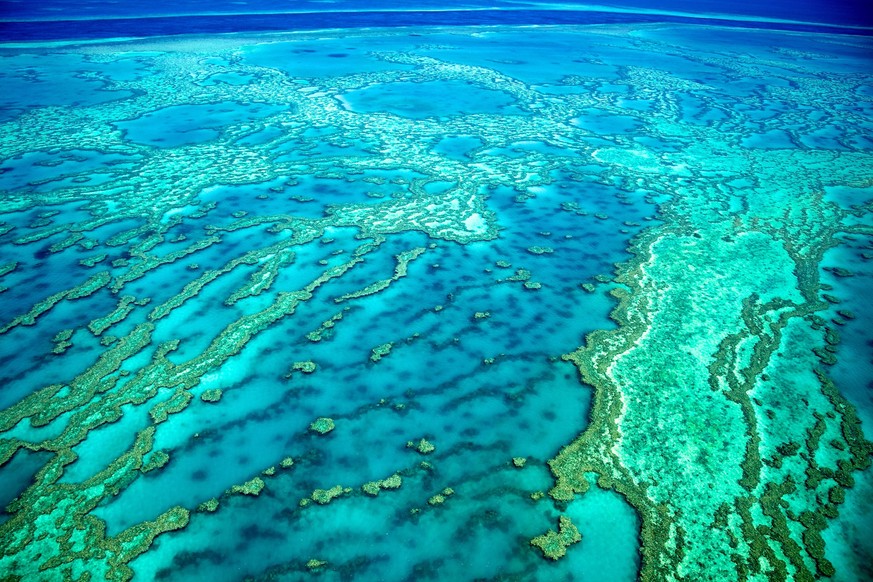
553 544
322 425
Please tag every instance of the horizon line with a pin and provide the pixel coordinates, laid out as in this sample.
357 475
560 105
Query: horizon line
546 7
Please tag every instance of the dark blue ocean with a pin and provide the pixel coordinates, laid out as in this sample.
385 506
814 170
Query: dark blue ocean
58 19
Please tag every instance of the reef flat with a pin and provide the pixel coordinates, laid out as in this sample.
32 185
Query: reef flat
500 303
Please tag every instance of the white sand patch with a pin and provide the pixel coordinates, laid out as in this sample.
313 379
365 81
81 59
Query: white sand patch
475 223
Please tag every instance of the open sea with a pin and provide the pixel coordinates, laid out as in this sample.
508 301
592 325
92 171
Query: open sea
494 291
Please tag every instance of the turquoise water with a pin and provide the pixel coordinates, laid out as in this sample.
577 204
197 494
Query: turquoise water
189 124
437 219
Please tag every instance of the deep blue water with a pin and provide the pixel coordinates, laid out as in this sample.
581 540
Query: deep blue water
844 12
62 19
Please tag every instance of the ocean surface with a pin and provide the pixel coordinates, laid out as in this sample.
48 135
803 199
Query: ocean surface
432 291
21 20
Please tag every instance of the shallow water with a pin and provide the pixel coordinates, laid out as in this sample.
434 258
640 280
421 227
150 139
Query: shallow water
413 233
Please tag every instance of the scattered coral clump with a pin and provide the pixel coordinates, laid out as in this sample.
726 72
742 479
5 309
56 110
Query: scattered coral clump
553 544
322 425
423 446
